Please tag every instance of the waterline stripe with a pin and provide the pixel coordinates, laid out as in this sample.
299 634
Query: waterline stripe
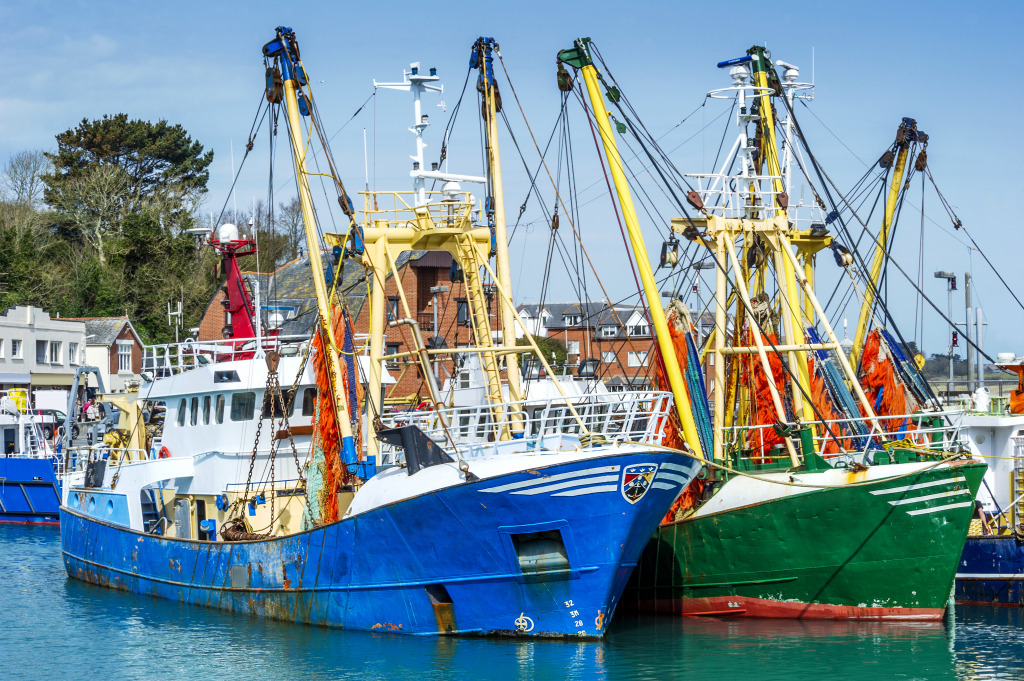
586 490
920 511
929 497
917 485
543 480
569 483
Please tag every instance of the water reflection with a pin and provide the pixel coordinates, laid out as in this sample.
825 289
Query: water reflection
117 635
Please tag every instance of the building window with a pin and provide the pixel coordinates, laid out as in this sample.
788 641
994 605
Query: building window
637 359
220 409
609 331
15 348
462 312
1 348
243 406
572 347
638 330
572 319
73 353
392 307
41 352
608 357
124 357
55 352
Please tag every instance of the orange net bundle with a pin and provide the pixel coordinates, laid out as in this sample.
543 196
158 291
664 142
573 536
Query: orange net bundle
326 434
670 427
763 413
884 389
827 411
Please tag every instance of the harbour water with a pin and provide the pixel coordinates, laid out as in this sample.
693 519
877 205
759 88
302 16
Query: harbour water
57 628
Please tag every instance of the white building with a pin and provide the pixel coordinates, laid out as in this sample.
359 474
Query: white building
38 351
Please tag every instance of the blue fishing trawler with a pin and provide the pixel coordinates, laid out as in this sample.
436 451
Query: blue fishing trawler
517 514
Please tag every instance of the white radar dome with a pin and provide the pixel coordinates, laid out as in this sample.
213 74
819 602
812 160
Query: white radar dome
227 232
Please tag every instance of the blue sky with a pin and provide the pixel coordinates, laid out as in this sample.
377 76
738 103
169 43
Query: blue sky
949 65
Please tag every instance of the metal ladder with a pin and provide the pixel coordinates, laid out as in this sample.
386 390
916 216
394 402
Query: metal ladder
1017 481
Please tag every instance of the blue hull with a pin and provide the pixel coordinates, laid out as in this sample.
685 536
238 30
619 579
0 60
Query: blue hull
446 562
28 491
991 571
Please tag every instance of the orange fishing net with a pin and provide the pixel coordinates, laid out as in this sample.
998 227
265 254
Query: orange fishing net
326 431
878 376
670 427
827 411
762 407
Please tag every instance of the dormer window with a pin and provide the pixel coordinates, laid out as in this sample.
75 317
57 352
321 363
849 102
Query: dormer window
639 330
572 320
609 331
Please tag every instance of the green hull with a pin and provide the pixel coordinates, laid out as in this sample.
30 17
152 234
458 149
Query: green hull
878 551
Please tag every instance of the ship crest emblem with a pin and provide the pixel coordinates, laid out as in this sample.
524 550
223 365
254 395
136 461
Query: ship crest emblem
636 480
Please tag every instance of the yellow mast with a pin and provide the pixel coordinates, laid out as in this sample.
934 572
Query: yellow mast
483 47
290 67
792 316
904 136
579 56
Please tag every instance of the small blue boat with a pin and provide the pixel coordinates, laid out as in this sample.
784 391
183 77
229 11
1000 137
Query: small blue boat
28 490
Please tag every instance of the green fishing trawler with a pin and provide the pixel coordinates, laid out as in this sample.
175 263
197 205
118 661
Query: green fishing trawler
811 504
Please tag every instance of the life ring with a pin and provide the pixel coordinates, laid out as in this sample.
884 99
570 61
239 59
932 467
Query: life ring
164 453
424 406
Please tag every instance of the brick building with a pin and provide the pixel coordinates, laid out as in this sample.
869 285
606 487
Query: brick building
288 305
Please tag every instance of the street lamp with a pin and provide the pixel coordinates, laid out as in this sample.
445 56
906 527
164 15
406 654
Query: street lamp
950 287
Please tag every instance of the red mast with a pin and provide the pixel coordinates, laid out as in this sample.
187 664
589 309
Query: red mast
238 303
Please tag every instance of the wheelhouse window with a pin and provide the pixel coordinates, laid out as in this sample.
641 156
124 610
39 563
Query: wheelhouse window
182 408
194 411
220 409
243 406
206 410
272 404
308 401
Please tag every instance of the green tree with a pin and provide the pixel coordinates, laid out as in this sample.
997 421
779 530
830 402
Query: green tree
553 349
143 166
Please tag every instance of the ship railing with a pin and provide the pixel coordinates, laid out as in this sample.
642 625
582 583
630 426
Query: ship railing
853 438
76 458
169 359
399 208
734 197
638 416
